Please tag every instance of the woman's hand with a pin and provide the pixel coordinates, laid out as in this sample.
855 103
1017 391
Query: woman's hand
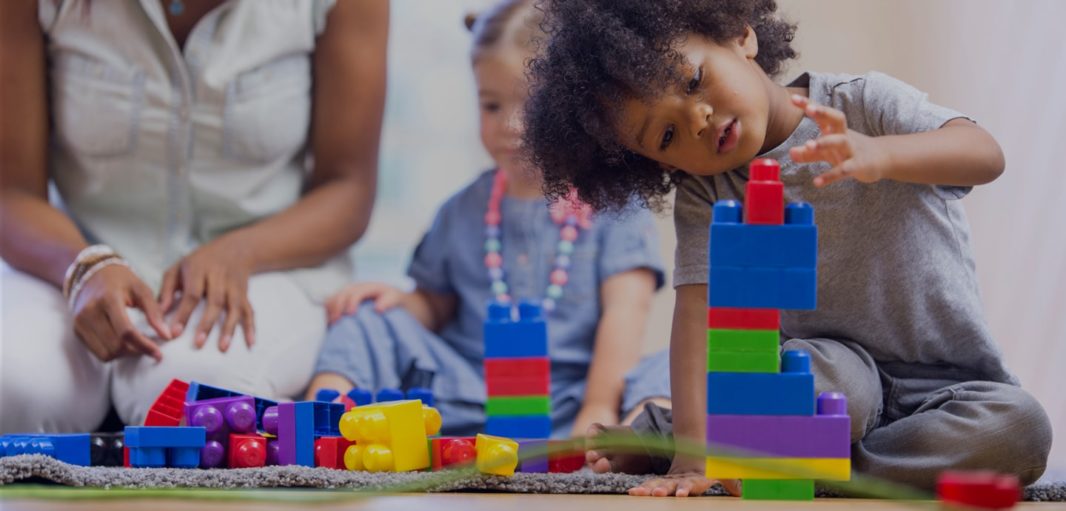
347 300
216 273
100 318
852 154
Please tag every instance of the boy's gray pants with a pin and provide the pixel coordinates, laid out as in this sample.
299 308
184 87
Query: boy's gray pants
909 422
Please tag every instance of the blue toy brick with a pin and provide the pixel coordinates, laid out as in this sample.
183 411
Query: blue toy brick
422 394
763 246
165 436
327 418
521 426
148 457
183 457
506 338
327 395
296 433
760 394
388 394
762 288
799 213
68 448
361 397
726 212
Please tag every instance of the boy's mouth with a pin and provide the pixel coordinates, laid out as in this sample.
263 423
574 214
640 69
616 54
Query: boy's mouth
728 136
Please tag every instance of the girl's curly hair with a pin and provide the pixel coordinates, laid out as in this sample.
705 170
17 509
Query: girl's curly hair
600 52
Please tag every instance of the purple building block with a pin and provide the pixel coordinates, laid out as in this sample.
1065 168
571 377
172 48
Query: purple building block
222 416
827 435
538 462
273 448
296 433
270 420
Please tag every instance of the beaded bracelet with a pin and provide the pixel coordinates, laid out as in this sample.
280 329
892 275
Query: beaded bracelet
111 261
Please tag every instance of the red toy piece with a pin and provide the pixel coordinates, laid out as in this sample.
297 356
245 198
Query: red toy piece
169 407
126 457
452 451
765 195
565 461
979 489
246 451
329 452
733 318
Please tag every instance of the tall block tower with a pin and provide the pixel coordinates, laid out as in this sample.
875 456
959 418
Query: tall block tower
517 372
764 424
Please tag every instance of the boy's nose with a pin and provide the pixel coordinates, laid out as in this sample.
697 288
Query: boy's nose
701 118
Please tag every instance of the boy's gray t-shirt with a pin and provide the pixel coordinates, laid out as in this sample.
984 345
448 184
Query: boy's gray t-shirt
895 269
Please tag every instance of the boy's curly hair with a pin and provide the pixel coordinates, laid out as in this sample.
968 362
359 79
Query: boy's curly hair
600 52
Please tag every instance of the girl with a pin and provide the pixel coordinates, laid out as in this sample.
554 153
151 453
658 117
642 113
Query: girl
498 239
632 97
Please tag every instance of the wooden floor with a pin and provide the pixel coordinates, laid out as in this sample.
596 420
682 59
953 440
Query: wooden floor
481 502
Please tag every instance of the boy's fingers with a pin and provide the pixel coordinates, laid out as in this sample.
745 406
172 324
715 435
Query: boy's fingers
830 120
834 174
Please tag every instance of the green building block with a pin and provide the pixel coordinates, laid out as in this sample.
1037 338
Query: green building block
743 362
518 405
743 340
782 489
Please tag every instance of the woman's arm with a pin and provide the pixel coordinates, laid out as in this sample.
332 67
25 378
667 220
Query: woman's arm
626 299
349 99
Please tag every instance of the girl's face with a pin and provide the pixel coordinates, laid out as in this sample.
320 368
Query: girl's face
712 122
502 92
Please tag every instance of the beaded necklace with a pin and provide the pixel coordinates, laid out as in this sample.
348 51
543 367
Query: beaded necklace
569 213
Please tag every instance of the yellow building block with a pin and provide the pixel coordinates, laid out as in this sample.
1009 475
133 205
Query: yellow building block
831 469
496 455
389 437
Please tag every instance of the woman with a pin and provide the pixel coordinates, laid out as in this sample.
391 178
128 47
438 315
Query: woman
223 154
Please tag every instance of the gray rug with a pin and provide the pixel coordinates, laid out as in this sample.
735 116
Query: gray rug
33 468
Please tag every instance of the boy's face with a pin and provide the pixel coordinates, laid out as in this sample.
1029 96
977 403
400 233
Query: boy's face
712 122
502 92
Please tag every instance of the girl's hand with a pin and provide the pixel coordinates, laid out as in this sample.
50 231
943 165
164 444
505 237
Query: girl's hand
685 478
100 318
852 154
593 414
217 273
347 300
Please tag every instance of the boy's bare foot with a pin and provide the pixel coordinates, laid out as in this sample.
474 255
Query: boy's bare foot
686 478
608 460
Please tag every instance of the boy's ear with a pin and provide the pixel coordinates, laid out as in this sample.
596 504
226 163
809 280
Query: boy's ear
749 42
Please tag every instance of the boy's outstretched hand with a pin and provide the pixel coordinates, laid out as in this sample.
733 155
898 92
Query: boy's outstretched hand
852 154
347 300
682 480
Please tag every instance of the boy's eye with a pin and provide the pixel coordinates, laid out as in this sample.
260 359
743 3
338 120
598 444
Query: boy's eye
694 83
668 136
490 107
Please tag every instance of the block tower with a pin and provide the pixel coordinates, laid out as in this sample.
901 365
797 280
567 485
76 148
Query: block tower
763 423
517 372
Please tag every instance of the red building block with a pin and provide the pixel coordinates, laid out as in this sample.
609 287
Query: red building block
764 197
979 489
246 451
169 407
733 318
329 452
525 386
564 461
446 452
516 367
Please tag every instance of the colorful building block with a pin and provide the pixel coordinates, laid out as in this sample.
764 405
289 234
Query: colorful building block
763 246
329 451
518 405
389 437
327 395
327 417
200 392
388 394
361 396
517 367
167 408
448 452
220 416
978 489
296 433
742 361
422 394
74 449
525 386
780 288
529 426
246 451
760 394
830 469
533 456
105 449
764 194
165 446
526 337
780 489
734 318
564 461
793 436
496 455
764 341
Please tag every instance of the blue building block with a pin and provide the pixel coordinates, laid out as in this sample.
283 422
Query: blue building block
361 397
199 392
790 392
68 448
520 426
388 394
422 394
327 418
533 456
296 433
162 446
762 288
763 246
327 395
506 338
730 212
